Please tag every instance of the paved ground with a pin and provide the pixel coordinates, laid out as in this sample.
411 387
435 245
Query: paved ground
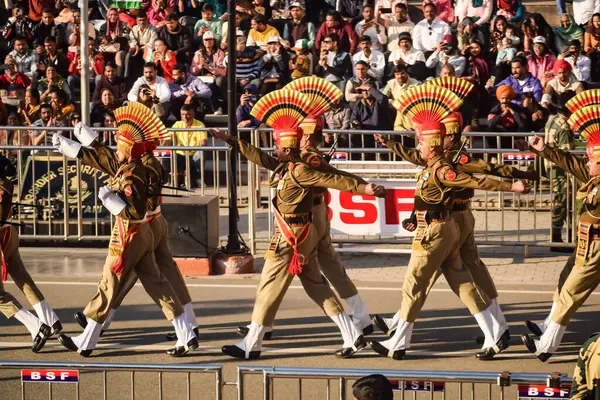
443 338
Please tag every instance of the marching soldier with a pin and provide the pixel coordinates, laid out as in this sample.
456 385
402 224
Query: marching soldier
462 215
293 247
46 323
586 377
132 241
323 94
585 275
162 252
436 241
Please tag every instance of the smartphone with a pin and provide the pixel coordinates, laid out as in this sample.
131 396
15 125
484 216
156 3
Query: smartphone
385 10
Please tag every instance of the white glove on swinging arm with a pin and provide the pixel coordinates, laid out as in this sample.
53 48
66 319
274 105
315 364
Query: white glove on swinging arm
111 200
68 147
84 134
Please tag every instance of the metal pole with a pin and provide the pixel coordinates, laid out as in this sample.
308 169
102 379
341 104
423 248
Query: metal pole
233 242
85 100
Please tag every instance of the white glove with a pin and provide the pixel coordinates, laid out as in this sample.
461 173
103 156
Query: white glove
68 147
84 134
111 200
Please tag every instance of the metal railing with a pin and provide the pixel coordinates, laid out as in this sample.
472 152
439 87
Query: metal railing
474 385
132 369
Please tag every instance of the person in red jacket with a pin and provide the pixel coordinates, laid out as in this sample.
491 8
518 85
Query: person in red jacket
335 24
14 83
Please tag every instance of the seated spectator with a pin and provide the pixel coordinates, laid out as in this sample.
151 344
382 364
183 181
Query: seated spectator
467 32
512 10
298 27
248 61
567 31
592 45
479 11
109 80
177 38
498 30
582 65
187 89
208 23
396 25
47 27
373 58
447 53
108 103
225 31
13 84
391 4
584 11
301 63
337 118
18 26
61 109
47 119
368 26
112 41
261 32
148 97
19 137
73 28
107 120
35 9
406 54
541 61
209 63
507 116
157 14
359 82
370 112
563 81
52 81
51 56
247 100
164 59
191 139
372 387
536 114
535 25
158 88
394 89
506 52
274 67
477 72
334 63
521 81
29 107
429 32
347 38
445 10
26 59
141 41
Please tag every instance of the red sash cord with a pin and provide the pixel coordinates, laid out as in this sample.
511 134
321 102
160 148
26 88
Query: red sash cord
5 240
298 259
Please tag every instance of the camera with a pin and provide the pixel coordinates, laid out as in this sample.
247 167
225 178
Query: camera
385 10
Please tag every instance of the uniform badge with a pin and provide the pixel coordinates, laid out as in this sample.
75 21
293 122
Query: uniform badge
450 175
315 162
128 191
425 176
463 159
595 191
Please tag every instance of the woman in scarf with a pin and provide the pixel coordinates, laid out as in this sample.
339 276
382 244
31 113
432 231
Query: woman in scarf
477 73
497 34
567 31
52 81
541 61
535 26
29 108
512 10
113 39
467 32
592 45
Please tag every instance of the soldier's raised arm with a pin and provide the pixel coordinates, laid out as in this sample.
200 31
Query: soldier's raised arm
451 177
315 160
309 177
565 160
411 155
252 153
466 163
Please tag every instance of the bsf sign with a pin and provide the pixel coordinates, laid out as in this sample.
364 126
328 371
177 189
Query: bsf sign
542 392
512 157
356 214
49 375
418 386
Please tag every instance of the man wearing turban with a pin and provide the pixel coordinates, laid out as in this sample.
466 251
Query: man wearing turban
507 116
563 80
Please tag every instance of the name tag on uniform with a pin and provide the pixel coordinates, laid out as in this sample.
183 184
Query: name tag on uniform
595 191
280 183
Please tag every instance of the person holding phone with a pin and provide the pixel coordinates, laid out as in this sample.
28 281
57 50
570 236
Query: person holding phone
397 24
370 27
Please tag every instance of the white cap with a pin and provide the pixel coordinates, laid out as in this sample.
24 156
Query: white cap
239 32
208 35
273 39
539 39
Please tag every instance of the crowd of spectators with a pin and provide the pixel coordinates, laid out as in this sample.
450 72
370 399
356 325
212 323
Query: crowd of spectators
172 55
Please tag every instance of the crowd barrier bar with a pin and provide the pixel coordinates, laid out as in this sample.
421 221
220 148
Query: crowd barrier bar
188 369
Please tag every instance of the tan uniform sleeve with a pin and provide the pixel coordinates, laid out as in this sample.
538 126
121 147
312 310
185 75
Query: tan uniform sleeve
155 178
567 161
316 161
410 155
308 177
449 176
100 157
6 189
479 166
133 190
256 155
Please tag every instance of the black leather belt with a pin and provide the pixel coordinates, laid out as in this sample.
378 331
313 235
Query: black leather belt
297 219
433 216
318 200
461 205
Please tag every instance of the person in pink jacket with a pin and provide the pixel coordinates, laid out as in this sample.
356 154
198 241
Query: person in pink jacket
541 61
479 10
445 10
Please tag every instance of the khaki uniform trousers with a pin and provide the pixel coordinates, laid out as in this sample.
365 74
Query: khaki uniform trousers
438 250
138 257
164 259
275 279
470 255
564 274
581 282
330 263
16 269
